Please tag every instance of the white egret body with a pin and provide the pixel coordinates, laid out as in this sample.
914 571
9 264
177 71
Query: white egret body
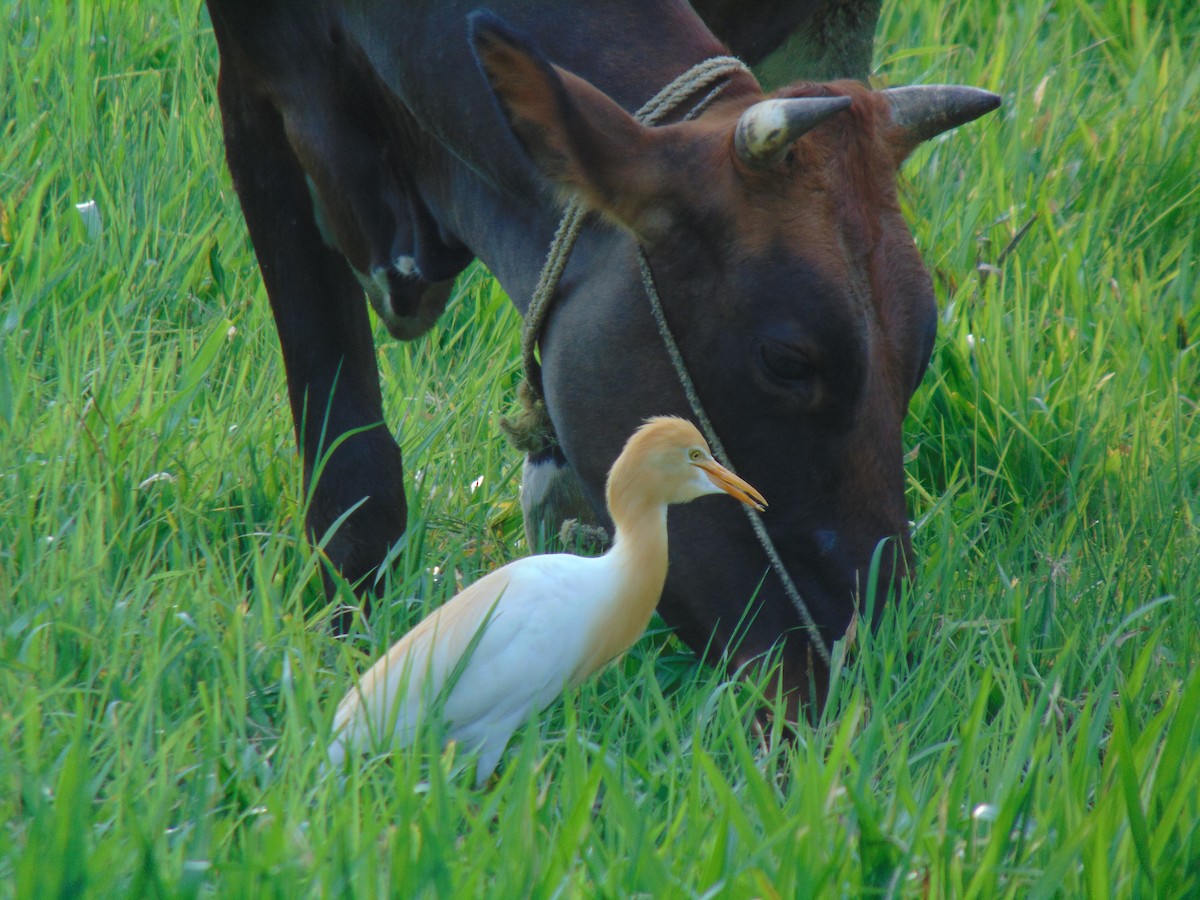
541 623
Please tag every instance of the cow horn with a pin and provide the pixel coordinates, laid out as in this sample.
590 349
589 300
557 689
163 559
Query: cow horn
767 129
926 110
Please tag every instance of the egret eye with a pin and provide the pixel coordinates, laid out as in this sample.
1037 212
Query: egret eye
695 455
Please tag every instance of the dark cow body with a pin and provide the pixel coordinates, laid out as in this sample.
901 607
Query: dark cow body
799 301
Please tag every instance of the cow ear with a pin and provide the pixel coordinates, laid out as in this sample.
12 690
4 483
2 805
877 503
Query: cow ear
579 138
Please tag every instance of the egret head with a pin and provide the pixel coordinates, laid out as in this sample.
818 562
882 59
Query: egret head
667 460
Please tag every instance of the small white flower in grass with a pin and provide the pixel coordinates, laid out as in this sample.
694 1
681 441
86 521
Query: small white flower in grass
89 212
1039 93
476 484
985 812
155 478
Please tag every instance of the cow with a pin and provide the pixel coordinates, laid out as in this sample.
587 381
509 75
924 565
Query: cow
378 147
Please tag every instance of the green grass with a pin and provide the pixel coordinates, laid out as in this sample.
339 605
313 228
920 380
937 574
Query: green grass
1026 722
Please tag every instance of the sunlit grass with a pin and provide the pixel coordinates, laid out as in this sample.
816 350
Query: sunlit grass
1025 722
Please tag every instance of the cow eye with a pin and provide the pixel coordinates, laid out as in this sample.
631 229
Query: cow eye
785 362
787 368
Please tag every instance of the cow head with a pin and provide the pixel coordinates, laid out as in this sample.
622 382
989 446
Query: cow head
800 305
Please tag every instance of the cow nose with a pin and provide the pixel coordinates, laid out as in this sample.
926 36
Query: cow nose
826 539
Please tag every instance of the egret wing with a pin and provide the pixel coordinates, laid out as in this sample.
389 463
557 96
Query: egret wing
527 654
384 707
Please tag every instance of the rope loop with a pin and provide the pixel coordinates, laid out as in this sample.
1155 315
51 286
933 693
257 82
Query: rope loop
530 426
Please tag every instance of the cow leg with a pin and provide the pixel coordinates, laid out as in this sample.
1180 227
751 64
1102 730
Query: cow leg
350 458
554 504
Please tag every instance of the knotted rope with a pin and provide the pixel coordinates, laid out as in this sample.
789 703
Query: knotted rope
531 431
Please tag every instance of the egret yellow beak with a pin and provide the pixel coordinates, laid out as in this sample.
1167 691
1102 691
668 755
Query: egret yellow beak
732 485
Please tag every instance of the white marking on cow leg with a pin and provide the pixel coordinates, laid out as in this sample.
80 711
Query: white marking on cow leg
407 266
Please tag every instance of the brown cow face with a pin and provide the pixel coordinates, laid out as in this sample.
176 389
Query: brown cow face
801 307
799 297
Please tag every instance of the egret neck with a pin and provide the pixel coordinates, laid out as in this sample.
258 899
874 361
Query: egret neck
635 566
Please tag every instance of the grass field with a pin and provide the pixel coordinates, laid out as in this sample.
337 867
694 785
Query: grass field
1026 722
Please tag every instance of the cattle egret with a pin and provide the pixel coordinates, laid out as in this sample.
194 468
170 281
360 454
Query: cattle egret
509 644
